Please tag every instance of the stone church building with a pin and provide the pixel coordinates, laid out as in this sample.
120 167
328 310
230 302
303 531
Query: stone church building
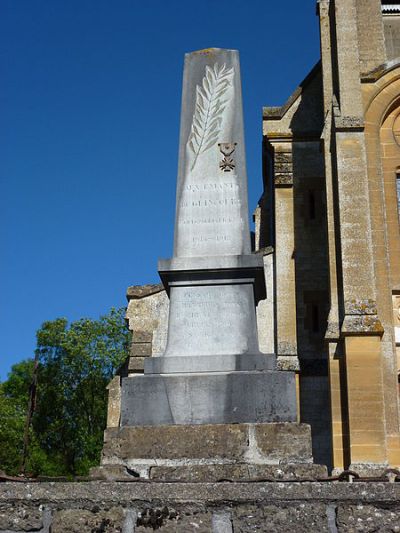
327 226
327 239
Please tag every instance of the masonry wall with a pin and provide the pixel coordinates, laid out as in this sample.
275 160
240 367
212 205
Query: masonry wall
371 39
312 292
294 202
139 507
391 25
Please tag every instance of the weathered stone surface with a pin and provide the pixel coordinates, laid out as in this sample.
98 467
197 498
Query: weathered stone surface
136 364
356 324
288 362
208 398
229 450
93 521
142 349
287 349
218 472
177 442
148 317
114 402
141 291
285 442
168 520
212 305
112 473
283 179
265 307
20 517
106 507
88 494
273 518
143 336
233 441
209 363
367 518
360 307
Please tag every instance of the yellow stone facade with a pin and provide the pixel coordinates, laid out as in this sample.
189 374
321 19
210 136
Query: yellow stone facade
331 212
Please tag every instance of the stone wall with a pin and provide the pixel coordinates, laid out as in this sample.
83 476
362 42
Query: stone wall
370 34
147 316
331 158
139 507
392 35
296 206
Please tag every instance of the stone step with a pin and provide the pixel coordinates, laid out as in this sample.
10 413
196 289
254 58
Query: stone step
236 472
212 473
268 444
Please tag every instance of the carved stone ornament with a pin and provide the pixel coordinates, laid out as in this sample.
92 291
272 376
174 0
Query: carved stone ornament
210 105
228 162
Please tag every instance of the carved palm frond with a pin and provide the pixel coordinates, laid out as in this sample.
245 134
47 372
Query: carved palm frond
209 108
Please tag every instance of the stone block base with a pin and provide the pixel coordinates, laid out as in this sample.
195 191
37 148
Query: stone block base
214 473
366 470
208 398
209 452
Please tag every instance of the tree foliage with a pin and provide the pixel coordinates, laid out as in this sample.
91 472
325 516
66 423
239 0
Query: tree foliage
13 405
76 362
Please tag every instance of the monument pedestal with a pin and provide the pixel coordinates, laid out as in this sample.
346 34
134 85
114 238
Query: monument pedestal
209 452
200 379
208 398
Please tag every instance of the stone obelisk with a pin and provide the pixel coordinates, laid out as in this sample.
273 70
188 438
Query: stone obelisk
212 370
212 310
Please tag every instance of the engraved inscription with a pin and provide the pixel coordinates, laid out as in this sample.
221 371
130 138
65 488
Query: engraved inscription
210 214
209 108
197 310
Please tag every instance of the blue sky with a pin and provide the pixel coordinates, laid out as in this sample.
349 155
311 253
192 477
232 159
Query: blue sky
90 107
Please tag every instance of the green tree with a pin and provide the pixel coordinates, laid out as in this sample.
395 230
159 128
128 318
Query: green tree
76 362
13 405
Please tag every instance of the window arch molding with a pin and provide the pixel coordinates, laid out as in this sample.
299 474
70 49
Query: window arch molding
382 124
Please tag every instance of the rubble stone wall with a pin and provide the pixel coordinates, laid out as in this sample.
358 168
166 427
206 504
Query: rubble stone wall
199 507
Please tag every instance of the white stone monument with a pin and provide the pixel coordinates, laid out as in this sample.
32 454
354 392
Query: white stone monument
211 406
212 370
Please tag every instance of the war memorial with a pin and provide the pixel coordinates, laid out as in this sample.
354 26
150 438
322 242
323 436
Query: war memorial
212 390
261 390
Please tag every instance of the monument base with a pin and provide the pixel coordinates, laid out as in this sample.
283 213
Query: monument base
209 453
208 398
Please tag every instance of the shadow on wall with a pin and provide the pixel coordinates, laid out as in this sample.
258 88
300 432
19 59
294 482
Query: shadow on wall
311 264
